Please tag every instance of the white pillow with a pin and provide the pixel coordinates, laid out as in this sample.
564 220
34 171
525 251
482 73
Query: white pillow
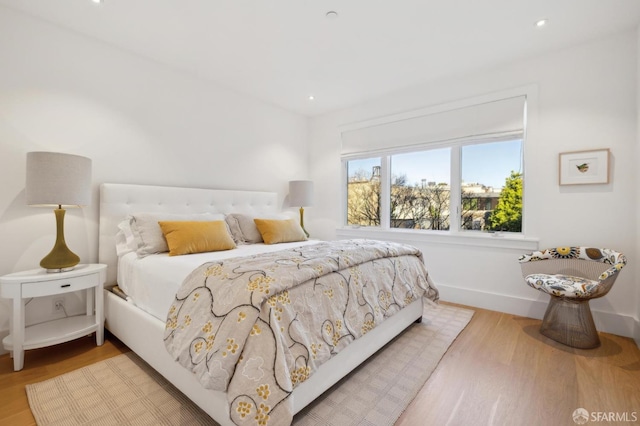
147 232
125 240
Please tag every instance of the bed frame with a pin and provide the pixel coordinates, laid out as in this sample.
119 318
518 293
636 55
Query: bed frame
143 333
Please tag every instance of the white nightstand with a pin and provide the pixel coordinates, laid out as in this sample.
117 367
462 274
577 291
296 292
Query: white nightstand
36 283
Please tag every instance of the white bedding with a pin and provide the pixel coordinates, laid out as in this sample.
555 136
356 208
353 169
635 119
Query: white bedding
152 282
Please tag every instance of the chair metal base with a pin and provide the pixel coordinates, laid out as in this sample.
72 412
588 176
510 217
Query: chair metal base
569 321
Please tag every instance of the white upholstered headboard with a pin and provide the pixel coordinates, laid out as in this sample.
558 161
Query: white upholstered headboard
117 201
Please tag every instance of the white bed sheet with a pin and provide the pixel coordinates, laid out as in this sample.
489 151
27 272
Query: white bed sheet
152 282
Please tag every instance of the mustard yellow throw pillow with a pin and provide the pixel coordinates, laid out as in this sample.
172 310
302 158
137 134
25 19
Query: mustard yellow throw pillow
275 231
186 237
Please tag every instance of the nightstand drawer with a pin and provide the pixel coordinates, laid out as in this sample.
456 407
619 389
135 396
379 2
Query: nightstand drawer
59 286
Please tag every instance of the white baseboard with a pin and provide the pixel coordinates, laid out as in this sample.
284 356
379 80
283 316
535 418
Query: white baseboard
608 322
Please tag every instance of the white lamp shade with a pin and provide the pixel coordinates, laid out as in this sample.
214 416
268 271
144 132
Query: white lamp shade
300 193
58 179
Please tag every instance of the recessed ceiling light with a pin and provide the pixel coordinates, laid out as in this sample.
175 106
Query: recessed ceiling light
332 14
541 23
311 97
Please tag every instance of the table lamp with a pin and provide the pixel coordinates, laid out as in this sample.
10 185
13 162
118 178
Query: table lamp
301 194
56 179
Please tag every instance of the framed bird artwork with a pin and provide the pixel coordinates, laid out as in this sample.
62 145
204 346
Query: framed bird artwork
584 167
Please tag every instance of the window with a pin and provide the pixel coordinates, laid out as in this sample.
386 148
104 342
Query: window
363 192
491 186
471 185
448 168
420 189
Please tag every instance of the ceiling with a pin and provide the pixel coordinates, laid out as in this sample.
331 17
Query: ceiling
283 51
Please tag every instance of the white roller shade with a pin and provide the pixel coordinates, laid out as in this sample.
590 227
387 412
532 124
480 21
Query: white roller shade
489 118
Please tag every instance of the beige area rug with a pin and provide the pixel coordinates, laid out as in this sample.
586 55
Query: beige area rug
125 391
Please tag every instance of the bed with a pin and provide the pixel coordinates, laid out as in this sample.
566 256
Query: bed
140 321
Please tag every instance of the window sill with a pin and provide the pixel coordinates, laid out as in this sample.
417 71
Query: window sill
471 238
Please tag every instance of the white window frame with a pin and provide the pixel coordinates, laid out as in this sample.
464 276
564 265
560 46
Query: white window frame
455 235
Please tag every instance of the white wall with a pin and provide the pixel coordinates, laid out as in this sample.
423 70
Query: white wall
586 99
139 122
637 157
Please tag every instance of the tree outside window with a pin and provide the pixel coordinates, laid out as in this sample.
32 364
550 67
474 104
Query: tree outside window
363 192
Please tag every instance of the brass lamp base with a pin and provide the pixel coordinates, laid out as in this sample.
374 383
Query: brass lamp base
60 258
302 222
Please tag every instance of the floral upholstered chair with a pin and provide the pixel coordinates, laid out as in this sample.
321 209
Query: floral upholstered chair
572 276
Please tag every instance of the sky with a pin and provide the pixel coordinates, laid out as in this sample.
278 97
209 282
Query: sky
488 164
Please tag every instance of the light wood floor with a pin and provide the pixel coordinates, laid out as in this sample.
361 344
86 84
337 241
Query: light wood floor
499 371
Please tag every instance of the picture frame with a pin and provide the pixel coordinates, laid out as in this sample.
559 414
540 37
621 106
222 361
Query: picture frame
584 167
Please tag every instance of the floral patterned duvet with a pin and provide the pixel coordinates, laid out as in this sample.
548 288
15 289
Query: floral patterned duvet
258 326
